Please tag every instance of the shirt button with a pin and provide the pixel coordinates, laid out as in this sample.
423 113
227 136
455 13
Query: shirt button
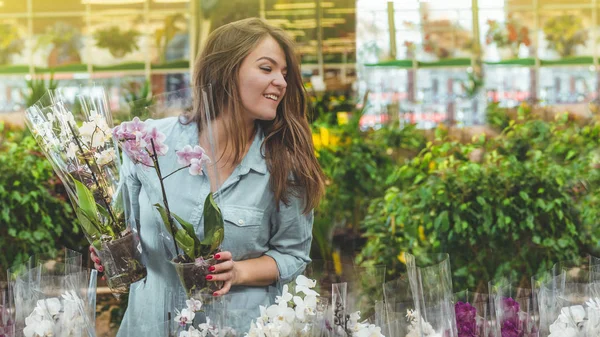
241 222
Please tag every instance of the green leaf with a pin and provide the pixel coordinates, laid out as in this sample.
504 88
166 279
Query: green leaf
186 243
563 243
87 225
480 200
524 195
165 218
87 202
213 222
188 227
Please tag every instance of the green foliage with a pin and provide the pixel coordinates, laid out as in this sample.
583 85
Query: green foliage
564 33
509 206
139 98
10 42
356 170
37 88
496 116
214 230
119 43
35 214
65 38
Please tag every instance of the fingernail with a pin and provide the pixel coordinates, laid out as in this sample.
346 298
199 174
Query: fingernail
211 268
100 268
103 278
217 256
209 277
91 249
97 259
215 294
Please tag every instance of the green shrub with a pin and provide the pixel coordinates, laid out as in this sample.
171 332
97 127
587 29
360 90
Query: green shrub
509 206
356 170
35 213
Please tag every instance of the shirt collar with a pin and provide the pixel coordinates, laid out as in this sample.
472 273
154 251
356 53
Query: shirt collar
255 159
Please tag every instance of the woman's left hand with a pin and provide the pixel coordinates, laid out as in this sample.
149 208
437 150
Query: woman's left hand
224 271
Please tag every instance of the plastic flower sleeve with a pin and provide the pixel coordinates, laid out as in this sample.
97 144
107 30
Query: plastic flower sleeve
54 298
7 310
75 135
431 285
576 300
513 309
472 314
399 308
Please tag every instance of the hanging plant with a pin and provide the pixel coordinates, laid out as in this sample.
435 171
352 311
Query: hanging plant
119 43
10 42
564 33
510 34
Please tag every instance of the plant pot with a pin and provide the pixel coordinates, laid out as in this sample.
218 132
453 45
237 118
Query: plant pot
193 276
122 261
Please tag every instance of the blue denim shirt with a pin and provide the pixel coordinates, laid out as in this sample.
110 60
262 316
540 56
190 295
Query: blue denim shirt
253 225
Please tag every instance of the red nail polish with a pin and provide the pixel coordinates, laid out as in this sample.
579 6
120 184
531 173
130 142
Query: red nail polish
215 294
217 256
211 268
100 269
209 277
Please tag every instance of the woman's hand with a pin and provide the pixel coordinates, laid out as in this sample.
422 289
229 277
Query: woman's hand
97 263
224 271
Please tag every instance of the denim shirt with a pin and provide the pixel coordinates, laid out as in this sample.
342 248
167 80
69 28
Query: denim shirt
253 225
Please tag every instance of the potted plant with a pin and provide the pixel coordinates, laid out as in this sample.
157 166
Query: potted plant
564 33
119 43
10 42
507 36
66 42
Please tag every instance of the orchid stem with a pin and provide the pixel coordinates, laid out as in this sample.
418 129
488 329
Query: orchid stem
164 194
179 169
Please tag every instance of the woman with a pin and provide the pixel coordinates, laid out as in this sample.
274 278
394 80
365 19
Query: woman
271 178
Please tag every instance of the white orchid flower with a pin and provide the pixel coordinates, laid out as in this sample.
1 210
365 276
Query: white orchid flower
194 305
184 317
106 157
285 296
304 281
305 307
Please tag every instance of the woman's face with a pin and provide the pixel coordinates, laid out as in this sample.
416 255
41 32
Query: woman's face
262 80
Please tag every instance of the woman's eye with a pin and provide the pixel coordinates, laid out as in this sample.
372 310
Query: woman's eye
266 68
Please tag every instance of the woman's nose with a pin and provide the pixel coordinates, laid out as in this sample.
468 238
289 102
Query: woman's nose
280 81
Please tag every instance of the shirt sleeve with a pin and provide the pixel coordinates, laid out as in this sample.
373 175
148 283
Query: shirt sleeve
291 237
130 182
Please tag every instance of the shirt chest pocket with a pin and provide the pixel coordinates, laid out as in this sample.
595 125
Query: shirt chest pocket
245 232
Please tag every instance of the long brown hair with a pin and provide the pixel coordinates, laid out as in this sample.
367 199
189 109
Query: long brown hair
288 146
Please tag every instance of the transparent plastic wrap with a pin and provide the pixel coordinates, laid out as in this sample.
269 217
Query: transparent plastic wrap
513 309
572 300
431 286
399 303
54 298
76 138
190 255
7 311
472 314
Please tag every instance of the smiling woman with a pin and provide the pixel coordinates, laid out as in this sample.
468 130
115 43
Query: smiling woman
265 159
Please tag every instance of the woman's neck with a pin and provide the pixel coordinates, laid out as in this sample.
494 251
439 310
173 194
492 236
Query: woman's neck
214 138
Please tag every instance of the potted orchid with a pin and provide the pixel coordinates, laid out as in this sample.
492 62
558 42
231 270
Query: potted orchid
85 157
193 256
